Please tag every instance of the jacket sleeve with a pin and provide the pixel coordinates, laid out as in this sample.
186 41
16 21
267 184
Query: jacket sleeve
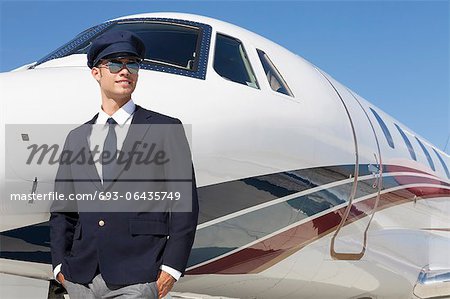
184 214
63 217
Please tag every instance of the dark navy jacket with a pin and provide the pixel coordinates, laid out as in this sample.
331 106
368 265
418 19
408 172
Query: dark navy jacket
130 246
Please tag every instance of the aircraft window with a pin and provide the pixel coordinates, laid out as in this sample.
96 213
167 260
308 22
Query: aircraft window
442 162
427 154
166 44
384 128
274 77
231 61
173 46
407 142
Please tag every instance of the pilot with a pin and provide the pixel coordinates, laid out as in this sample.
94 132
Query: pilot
116 254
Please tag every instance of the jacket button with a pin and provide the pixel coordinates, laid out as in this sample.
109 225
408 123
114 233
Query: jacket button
101 223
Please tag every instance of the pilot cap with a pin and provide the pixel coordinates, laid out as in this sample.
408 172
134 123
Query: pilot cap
115 42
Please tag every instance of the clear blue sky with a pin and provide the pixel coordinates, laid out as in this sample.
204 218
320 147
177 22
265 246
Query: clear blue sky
393 53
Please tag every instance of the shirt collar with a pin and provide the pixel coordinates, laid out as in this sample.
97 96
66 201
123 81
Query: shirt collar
120 116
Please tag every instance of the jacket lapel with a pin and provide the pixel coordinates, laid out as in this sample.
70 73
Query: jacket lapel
90 168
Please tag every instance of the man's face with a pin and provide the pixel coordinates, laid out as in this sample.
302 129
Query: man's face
117 77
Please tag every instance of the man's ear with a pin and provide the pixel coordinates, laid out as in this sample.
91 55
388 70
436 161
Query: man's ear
96 73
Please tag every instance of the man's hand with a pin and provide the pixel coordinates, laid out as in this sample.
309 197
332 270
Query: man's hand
164 283
60 278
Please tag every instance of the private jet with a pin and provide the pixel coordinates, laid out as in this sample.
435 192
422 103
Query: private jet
306 189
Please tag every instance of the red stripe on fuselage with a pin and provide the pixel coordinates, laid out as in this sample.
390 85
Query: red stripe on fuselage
268 252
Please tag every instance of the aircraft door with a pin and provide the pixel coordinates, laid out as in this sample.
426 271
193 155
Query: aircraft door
349 240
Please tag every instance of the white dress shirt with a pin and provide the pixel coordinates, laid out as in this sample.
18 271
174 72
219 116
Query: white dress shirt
123 117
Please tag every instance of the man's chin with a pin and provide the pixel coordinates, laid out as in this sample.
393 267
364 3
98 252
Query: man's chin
125 92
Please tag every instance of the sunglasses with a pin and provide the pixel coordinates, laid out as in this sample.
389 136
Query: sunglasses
116 66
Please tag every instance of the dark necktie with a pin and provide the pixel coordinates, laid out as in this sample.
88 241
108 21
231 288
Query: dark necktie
110 148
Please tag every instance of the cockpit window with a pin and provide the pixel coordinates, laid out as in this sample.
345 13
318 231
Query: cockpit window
173 46
165 43
231 61
274 77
